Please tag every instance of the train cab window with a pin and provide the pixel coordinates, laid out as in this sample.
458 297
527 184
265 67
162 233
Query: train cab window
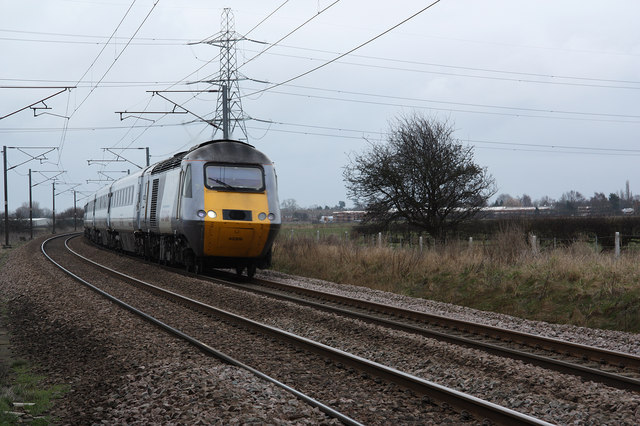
186 187
224 177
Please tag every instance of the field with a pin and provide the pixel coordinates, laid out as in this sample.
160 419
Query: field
575 284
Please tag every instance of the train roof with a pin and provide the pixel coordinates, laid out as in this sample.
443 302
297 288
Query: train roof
226 151
223 150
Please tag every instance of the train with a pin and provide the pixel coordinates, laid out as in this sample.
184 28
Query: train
213 206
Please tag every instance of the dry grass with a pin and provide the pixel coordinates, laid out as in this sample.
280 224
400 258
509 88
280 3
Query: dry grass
572 285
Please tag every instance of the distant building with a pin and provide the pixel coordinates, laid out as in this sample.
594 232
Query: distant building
348 216
502 211
326 219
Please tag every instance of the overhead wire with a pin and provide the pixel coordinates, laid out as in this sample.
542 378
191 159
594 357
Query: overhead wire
379 134
348 52
567 150
271 45
370 102
117 57
466 68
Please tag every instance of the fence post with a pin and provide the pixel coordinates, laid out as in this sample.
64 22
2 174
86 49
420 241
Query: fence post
534 244
379 239
470 243
420 242
317 235
617 245
596 243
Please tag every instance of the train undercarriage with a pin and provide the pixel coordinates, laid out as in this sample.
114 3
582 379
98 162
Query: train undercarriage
173 250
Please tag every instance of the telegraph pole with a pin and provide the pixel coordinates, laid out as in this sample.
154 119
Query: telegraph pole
6 200
30 207
53 211
39 157
75 212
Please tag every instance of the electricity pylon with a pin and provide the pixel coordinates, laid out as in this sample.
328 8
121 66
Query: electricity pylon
229 114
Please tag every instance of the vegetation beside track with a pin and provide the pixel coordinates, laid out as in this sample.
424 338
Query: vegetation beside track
18 382
572 285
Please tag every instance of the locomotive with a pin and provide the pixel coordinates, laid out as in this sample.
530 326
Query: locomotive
215 205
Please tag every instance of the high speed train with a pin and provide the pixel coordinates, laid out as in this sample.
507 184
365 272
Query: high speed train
215 205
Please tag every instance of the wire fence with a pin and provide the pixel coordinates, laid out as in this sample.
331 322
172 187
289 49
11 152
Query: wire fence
617 243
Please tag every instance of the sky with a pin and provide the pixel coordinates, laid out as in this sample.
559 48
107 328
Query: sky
547 92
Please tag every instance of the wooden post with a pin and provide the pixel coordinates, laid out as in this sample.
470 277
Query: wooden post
420 242
379 239
617 245
534 244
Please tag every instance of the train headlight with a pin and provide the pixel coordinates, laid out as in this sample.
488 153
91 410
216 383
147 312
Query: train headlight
271 216
201 214
262 216
212 214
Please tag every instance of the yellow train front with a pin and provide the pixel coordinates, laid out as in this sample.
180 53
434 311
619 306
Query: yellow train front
215 205
235 203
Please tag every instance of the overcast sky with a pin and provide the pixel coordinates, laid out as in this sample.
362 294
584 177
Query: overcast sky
547 91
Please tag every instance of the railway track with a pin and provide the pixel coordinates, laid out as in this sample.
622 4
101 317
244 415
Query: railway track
373 374
617 369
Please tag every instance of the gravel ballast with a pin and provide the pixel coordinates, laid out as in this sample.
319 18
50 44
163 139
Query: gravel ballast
119 368
157 379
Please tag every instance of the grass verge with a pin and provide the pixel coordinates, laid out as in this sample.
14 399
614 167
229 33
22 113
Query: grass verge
21 385
570 285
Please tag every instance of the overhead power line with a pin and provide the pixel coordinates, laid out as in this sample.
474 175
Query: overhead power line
546 110
271 45
119 54
555 149
449 66
611 117
348 52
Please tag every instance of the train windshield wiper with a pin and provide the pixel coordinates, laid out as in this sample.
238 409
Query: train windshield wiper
223 183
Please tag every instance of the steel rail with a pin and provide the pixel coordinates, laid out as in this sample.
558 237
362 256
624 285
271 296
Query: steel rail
460 400
536 341
561 347
198 344
594 374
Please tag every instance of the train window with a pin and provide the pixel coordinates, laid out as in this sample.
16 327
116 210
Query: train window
186 187
226 177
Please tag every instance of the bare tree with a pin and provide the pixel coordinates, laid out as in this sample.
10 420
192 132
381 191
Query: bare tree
525 201
23 210
571 200
422 175
600 203
544 201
